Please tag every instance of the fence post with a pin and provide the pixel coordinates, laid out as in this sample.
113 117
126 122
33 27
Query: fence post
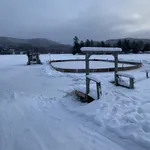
132 83
147 75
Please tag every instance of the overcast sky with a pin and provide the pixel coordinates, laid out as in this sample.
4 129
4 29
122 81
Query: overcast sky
61 20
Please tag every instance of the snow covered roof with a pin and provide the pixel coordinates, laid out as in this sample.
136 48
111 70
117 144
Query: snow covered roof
101 49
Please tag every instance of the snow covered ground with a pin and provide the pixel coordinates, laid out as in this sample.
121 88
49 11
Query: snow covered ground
81 64
39 112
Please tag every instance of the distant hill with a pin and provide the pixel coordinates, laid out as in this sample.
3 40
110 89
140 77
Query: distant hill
114 41
49 45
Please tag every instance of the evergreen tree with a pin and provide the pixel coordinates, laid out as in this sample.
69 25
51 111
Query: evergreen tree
146 47
91 43
98 44
76 41
134 47
87 43
1 48
81 44
119 44
114 45
140 45
76 45
126 46
107 45
127 42
102 44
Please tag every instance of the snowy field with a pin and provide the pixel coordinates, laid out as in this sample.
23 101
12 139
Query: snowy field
81 65
38 111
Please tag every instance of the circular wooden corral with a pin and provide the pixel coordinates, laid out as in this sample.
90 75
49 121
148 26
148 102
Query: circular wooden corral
136 65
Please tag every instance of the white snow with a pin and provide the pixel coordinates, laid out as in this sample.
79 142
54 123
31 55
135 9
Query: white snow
101 49
38 110
146 70
93 78
81 64
125 75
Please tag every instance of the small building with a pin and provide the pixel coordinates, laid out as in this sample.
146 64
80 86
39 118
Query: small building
12 51
21 52
33 58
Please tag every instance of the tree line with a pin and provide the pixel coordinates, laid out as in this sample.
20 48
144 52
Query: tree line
24 48
126 45
21 48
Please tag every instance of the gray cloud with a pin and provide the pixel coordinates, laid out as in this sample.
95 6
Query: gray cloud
61 20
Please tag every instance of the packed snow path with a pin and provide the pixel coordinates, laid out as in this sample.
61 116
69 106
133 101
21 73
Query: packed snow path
33 117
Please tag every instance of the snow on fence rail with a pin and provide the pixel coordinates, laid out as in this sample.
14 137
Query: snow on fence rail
125 75
91 77
131 80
